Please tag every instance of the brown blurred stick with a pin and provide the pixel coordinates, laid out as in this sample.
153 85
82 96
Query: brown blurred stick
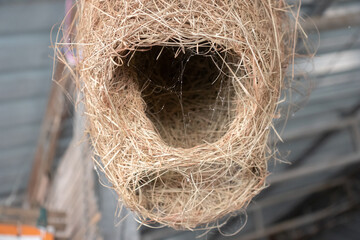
49 133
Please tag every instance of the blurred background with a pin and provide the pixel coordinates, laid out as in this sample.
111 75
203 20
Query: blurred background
316 195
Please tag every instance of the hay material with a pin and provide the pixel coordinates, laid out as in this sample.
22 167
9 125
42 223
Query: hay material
180 98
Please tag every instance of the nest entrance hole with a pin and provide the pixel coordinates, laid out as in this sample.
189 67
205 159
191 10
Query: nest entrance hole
189 96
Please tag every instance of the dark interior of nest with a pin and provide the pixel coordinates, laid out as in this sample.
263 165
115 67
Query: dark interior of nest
189 94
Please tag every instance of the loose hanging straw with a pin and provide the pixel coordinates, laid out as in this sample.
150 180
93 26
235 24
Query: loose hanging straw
180 96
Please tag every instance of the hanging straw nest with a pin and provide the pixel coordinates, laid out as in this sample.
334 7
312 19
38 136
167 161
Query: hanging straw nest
180 96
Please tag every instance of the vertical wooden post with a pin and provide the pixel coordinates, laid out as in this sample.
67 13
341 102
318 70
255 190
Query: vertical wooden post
49 134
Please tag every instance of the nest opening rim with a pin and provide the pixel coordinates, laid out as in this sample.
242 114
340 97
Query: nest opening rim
167 77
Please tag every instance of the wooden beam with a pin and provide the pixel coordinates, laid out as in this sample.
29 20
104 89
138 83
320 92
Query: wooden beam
31 213
40 175
12 215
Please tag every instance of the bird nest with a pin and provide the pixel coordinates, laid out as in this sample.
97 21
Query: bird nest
180 96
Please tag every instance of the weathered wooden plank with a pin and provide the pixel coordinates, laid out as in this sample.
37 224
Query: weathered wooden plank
49 134
27 84
30 216
29 213
30 16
